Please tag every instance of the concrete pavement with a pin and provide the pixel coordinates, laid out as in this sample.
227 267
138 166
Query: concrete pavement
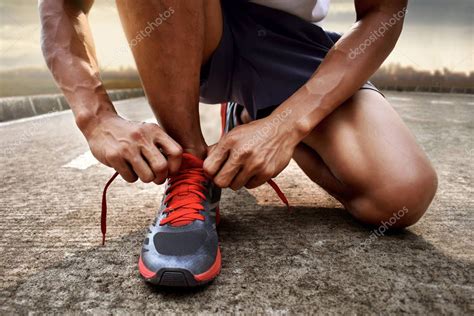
273 261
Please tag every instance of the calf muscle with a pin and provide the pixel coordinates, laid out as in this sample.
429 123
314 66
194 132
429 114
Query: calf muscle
169 61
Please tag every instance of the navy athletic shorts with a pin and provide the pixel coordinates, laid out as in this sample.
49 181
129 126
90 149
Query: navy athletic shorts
264 56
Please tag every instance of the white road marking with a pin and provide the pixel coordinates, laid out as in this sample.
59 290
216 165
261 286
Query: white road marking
87 160
400 99
82 162
470 103
441 102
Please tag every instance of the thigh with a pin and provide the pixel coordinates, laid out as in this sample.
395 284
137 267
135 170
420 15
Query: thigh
171 28
213 27
367 147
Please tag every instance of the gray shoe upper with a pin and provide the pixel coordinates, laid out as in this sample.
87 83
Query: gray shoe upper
192 247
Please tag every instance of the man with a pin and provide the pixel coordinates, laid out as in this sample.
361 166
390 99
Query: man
297 91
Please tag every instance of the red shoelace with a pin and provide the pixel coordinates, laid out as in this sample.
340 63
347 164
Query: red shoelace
185 193
184 197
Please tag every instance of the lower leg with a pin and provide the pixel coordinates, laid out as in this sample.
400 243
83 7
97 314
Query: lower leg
170 41
365 157
372 154
314 167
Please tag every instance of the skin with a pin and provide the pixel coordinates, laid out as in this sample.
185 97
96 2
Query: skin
131 148
349 141
336 80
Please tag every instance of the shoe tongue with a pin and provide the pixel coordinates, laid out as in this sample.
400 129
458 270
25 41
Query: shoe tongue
190 161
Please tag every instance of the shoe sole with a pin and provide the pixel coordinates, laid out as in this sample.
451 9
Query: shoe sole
172 277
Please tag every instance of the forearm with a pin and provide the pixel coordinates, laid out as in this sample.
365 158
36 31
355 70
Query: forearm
347 66
70 55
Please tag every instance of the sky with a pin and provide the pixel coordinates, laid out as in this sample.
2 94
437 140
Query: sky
437 34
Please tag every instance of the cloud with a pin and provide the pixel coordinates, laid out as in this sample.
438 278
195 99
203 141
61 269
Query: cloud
436 33
420 12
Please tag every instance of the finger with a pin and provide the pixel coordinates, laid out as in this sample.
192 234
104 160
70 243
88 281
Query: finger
171 149
256 181
216 159
226 175
125 171
241 179
210 149
141 168
157 163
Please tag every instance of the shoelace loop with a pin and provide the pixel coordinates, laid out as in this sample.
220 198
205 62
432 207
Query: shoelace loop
103 215
183 200
180 210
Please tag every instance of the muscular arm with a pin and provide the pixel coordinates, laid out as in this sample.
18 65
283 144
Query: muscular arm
69 52
131 148
348 65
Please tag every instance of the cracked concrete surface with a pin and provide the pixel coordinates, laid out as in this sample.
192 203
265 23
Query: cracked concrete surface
273 261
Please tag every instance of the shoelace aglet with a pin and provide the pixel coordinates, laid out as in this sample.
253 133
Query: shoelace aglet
280 194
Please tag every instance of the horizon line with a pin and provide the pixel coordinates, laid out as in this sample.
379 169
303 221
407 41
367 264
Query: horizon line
132 67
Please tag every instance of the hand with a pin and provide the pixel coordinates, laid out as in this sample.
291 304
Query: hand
133 149
251 154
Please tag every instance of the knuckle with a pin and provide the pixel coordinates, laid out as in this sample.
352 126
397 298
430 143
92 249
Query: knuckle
267 174
176 151
124 151
147 178
159 180
230 140
220 182
160 167
235 187
157 131
135 161
218 154
207 166
129 177
137 134
112 156
235 155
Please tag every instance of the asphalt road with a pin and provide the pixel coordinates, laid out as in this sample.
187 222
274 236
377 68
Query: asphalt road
273 261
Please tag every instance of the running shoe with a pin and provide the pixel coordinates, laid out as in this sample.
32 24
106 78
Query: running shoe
181 247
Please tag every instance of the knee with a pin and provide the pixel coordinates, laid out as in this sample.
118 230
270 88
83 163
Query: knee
399 201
